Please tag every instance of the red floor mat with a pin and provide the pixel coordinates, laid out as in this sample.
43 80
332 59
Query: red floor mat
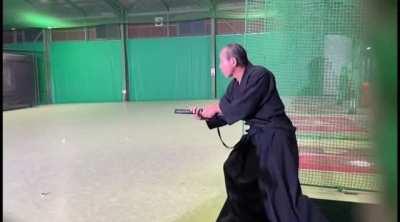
348 161
325 124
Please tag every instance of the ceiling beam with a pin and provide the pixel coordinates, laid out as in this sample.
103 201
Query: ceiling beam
132 5
212 7
165 12
73 5
117 8
32 4
165 4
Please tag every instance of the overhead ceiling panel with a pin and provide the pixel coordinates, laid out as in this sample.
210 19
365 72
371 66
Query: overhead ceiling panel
74 13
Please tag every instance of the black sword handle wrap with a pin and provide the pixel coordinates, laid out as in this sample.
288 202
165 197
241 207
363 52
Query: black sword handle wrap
186 111
183 111
214 122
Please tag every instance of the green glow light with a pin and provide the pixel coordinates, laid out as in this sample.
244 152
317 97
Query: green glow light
40 20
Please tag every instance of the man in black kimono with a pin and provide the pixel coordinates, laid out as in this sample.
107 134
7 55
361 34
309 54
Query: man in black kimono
261 172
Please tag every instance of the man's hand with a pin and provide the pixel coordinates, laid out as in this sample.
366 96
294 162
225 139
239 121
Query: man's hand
208 112
211 110
197 112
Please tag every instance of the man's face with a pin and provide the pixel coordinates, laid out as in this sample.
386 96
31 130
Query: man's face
226 64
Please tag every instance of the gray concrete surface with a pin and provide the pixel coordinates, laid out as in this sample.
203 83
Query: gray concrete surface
116 162
109 162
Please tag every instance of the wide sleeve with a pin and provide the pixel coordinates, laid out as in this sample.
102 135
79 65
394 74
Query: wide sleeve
218 120
228 96
246 104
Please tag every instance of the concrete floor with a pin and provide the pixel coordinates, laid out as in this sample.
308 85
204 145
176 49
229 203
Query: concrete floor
115 162
109 162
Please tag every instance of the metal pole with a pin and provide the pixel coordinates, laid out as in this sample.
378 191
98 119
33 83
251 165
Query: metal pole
166 7
38 36
213 56
47 66
124 57
15 36
36 80
168 23
23 35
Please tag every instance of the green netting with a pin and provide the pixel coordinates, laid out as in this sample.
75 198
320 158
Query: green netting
315 49
169 68
89 71
37 50
308 75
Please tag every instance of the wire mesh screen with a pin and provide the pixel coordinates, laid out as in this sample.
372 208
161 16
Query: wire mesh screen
198 27
20 87
322 65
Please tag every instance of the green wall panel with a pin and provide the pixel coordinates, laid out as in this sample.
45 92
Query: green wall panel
87 71
169 68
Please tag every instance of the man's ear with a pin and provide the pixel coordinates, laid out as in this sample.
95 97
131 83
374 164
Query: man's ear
233 61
